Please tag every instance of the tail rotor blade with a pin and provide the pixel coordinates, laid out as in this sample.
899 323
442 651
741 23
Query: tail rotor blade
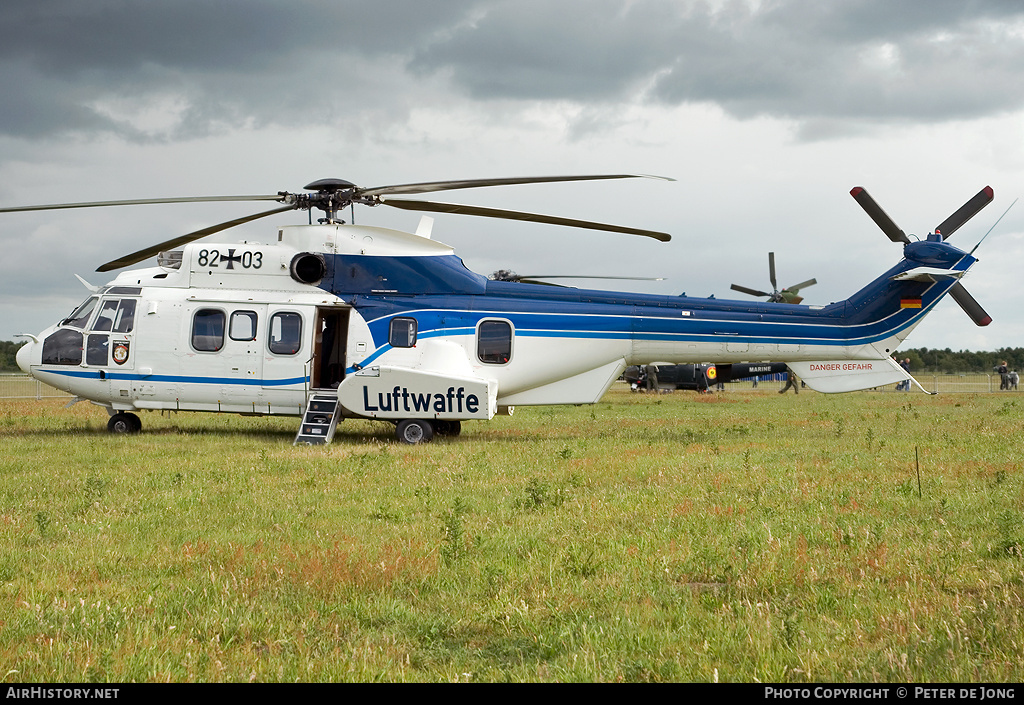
971 307
752 292
967 211
881 218
803 285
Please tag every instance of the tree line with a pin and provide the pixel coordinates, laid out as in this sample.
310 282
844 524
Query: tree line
921 359
964 361
7 352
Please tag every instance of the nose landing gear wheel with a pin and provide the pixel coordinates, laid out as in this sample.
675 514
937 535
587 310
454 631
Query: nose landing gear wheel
413 431
123 422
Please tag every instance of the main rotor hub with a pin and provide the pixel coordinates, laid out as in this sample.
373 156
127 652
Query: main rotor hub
332 196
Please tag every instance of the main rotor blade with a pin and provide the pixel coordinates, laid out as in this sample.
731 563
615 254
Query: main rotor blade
967 211
141 202
803 285
148 252
771 270
435 207
432 186
971 307
878 215
752 292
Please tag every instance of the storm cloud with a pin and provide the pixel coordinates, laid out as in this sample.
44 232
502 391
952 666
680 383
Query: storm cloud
175 70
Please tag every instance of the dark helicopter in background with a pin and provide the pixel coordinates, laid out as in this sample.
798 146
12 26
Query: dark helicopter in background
701 377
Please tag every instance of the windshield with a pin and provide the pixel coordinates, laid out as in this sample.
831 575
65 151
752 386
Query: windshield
80 317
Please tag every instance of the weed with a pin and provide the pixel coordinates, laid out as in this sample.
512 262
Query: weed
94 489
453 543
8 570
385 513
495 580
839 427
539 493
1011 539
905 488
1006 409
42 523
581 562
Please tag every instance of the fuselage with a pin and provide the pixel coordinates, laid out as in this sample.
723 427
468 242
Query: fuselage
252 328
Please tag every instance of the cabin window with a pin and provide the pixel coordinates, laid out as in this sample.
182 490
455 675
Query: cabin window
494 342
63 347
403 332
80 318
208 330
243 325
285 333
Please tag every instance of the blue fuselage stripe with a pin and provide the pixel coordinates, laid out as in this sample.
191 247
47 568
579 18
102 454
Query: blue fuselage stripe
184 379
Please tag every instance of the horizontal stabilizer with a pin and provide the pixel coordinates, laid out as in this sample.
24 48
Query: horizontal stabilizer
849 375
927 274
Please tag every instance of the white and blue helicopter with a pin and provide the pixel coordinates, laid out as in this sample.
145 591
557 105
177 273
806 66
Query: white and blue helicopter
333 320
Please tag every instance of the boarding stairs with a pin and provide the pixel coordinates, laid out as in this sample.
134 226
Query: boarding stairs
323 412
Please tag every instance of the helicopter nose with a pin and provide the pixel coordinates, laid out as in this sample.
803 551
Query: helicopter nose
25 355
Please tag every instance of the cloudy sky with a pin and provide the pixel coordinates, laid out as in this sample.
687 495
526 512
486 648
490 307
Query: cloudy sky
766 113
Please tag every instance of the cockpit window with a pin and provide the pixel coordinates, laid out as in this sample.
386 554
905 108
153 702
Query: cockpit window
105 321
125 319
116 316
80 318
63 347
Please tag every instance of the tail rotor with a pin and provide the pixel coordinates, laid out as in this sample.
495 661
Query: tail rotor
949 226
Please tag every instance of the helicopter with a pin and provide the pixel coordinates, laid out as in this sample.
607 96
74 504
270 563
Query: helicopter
332 320
789 295
701 377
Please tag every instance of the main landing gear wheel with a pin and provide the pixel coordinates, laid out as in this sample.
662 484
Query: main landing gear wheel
445 427
413 431
123 422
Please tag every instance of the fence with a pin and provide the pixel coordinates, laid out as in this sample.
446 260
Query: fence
14 385
19 386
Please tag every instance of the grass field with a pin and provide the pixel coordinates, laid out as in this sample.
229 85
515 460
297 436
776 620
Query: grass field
733 537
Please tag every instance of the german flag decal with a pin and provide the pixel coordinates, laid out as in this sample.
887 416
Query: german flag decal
910 303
